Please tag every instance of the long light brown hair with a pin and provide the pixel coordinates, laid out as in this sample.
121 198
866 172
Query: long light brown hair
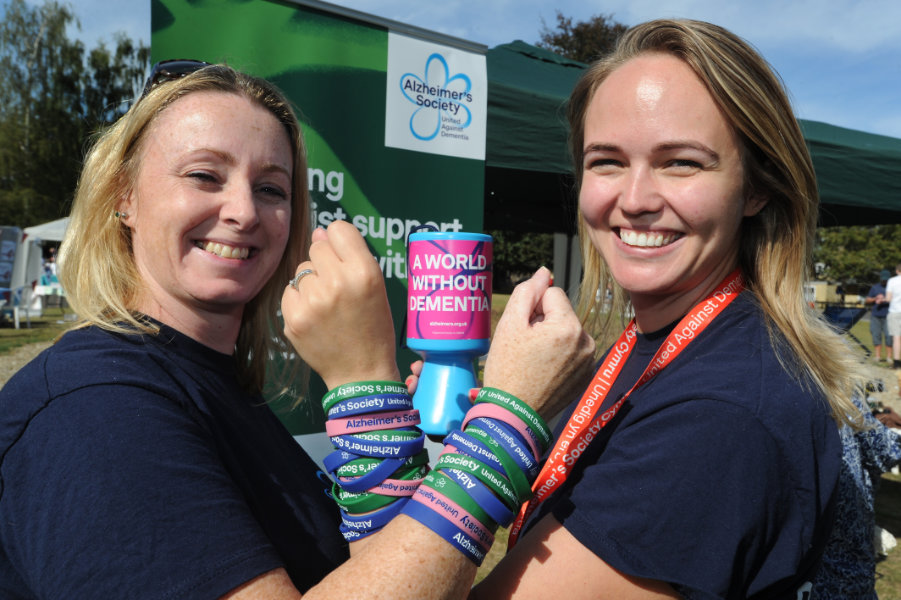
776 244
97 267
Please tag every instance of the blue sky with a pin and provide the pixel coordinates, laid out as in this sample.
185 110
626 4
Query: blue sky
840 59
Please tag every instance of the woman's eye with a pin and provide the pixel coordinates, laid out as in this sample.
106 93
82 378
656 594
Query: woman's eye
202 176
273 191
684 163
601 163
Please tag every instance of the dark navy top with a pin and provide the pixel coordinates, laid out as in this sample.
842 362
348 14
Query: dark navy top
717 476
135 467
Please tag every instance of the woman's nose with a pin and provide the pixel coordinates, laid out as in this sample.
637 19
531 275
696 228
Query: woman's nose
641 192
240 208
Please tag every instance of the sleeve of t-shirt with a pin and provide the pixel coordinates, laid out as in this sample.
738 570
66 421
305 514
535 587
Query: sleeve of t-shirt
694 495
115 492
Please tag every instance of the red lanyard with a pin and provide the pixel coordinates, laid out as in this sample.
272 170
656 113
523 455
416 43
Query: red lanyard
585 424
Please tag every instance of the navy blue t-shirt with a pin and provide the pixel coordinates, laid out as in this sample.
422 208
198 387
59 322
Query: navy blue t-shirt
135 467
717 476
878 310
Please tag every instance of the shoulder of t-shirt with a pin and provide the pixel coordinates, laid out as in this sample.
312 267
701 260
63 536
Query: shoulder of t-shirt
92 357
735 362
87 361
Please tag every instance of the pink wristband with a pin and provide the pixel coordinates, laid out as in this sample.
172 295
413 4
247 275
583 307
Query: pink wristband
454 513
493 411
372 422
396 487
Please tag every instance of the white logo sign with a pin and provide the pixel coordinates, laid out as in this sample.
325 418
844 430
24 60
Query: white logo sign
436 99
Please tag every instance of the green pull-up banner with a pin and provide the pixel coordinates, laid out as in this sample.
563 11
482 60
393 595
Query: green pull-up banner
394 118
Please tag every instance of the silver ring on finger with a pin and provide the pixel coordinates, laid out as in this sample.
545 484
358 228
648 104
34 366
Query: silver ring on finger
300 275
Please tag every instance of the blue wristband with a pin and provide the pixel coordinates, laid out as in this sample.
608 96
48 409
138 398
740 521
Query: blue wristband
374 520
466 444
334 460
479 492
383 449
371 404
469 546
372 478
512 442
516 473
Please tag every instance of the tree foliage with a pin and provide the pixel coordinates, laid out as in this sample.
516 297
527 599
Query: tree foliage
584 41
855 254
53 95
518 254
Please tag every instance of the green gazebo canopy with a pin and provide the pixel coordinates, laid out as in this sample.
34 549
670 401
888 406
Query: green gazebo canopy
528 170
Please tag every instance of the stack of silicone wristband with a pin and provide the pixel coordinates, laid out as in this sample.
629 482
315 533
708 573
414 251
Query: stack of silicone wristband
484 474
379 459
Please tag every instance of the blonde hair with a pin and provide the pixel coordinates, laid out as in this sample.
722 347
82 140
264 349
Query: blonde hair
97 267
776 244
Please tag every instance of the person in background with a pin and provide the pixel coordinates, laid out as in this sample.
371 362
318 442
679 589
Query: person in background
849 559
893 319
50 264
878 317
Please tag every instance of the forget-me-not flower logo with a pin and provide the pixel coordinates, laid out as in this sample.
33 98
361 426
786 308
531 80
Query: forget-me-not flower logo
440 99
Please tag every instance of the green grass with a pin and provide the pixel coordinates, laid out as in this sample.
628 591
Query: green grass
43 329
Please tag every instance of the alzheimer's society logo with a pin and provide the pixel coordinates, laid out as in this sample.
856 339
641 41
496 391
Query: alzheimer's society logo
436 98
439 97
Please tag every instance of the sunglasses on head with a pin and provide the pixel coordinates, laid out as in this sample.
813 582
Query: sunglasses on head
168 70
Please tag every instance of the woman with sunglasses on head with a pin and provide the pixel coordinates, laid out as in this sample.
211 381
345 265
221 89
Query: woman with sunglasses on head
137 456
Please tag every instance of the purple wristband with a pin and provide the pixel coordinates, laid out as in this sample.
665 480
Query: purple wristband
449 532
368 404
479 492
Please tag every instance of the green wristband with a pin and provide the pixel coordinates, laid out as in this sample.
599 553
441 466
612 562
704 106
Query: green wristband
362 502
517 478
496 482
521 410
366 501
358 389
388 435
445 485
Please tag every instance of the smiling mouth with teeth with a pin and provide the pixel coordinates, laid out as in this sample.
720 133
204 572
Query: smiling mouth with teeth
223 250
647 239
